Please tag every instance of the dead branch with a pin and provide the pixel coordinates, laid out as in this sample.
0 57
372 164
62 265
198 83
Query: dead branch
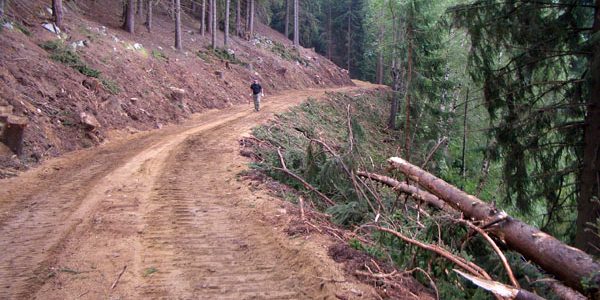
403 187
431 282
350 133
509 271
433 151
118 277
306 184
457 260
500 289
569 264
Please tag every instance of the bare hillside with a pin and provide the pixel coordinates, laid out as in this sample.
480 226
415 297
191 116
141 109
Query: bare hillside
76 87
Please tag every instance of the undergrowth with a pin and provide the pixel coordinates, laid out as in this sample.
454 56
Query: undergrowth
61 53
220 54
295 135
288 54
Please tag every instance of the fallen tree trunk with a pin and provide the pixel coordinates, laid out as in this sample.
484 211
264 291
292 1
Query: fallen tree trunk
403 187
569 264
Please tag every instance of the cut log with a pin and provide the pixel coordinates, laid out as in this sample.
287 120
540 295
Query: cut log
13 130
402 187
568 264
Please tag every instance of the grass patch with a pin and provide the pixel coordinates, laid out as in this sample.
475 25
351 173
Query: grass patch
111 86
159 55
59 52
150 271
288 54
221 54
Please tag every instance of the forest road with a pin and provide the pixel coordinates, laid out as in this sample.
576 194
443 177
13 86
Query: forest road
158 214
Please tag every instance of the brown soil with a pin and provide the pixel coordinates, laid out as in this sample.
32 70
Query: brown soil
52 96
167 206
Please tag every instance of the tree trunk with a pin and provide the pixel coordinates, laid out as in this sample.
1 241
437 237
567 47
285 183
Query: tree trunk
379 75
569 264
238 18
210 15
251 18
396 78
129 24
226 30
203 18
173 10
178 25
247 16
296 24
329 32
149 16
464 141
588 207
402 187
287 19
349 36
57 12
140 10
2 2
213 25
408 91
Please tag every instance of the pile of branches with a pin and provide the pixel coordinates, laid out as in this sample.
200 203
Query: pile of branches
571 272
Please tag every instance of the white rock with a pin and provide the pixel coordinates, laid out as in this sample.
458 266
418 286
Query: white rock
51 27
8 25
138 46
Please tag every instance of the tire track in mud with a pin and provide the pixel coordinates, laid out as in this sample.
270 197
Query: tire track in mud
199 248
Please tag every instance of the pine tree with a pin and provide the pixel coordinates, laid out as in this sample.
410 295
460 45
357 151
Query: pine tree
536 63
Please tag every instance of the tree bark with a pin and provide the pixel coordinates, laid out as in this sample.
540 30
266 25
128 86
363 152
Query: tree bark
464 141
588 207
569 264
210 15
238 18
379 72
402 187
287 19
57 12
178 25
349 36
251 19
2 3
129 24
203 18
140 9
296 24
408 91
149 16
213 26
226 29
173 10
329 32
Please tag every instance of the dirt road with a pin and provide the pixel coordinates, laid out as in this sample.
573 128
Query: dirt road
165 210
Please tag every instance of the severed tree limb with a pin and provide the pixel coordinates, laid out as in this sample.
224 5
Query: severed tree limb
569 264
118 277
457 260
500 289
306 184
350 133
403 187
509 271
433 151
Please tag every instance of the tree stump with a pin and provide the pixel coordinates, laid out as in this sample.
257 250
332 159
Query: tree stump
12 132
